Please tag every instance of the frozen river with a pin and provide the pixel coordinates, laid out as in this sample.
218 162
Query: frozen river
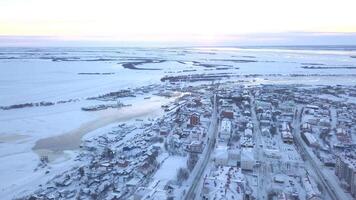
48 74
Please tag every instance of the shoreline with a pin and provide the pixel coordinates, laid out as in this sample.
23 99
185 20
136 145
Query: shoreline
71 140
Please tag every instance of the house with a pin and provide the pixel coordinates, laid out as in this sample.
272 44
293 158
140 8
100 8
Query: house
248 132
164 131
227 114
324 122
265 131
313 107
195 147
287 137
194 119
305 127
148 165
343 136
133 182
265 122
247 113
197 133
122 163
246 141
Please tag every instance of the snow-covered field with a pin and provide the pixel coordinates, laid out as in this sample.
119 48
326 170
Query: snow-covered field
33 75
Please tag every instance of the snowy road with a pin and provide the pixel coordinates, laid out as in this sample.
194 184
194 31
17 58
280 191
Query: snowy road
258 147
206 157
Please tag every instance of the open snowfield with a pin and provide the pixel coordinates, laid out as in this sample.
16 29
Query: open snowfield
168 170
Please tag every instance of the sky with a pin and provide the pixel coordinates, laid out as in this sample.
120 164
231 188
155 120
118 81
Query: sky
175 21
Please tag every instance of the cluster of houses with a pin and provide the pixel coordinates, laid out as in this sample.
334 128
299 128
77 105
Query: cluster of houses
235 136
120 164
225 182
244 115
183 130
112 166
328 122
316 123
329 127
275 110
225 178
254 145
185 127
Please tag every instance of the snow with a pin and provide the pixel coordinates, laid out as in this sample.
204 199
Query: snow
169 168
30 78
20 177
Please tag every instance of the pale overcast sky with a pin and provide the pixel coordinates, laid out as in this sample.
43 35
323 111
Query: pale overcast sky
209 21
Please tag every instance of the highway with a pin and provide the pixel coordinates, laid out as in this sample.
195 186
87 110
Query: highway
331 191
213 129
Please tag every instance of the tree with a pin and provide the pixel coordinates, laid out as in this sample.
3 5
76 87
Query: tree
192 161
81 171
273 130
182 175
166 145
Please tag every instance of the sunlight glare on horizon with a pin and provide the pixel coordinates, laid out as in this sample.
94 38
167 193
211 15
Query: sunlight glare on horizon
139 19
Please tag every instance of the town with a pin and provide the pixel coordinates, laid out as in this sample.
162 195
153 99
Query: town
223 141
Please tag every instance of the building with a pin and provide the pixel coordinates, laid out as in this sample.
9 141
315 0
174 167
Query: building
309 139
247 159
287 137
345 170
195 147
325 122
287 106
248 132
272 153
164 131
194 119
306 127
311 189
143 193
221 155
313 107
225 129
246 141
265 131
265 123
196 133
342 136
227 114
234 157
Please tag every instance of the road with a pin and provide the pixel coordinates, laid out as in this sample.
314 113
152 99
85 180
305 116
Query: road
330 188
211 144
258 149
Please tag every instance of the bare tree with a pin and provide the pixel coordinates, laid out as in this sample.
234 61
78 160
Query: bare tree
182 175
192 161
